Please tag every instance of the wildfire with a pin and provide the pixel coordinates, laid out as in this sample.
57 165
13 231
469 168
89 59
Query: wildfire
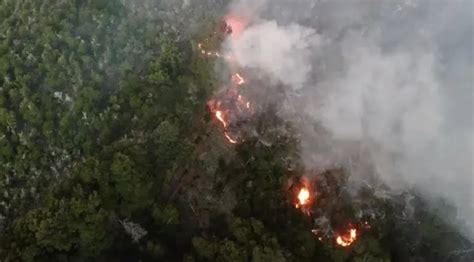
233 110
348 238
229 107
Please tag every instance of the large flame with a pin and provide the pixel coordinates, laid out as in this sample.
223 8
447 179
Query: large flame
347 238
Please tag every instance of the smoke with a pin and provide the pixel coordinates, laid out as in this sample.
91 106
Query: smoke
392 79
291 44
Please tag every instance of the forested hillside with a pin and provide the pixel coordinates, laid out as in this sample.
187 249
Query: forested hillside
108 151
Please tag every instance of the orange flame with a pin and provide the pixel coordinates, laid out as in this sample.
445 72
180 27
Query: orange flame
222 113
347 239
305 196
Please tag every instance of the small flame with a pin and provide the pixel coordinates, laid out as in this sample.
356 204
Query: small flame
230 139
346 240
303 196
220 117
238 79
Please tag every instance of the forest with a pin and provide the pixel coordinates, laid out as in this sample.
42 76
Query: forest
112 149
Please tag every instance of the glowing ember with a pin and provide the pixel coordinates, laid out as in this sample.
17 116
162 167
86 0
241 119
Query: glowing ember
347 239
366 225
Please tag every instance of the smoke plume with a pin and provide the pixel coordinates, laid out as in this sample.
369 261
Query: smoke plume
392 79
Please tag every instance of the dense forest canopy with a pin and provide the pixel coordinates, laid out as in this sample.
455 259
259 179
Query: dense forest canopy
109 152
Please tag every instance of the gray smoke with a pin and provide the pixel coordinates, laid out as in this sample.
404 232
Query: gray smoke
393 79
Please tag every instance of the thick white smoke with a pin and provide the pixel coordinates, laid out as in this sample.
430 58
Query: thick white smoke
396 78
292 44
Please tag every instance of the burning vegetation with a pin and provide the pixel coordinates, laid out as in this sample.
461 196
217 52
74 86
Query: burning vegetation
304 196
346 239
319 196
229 106
232 110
